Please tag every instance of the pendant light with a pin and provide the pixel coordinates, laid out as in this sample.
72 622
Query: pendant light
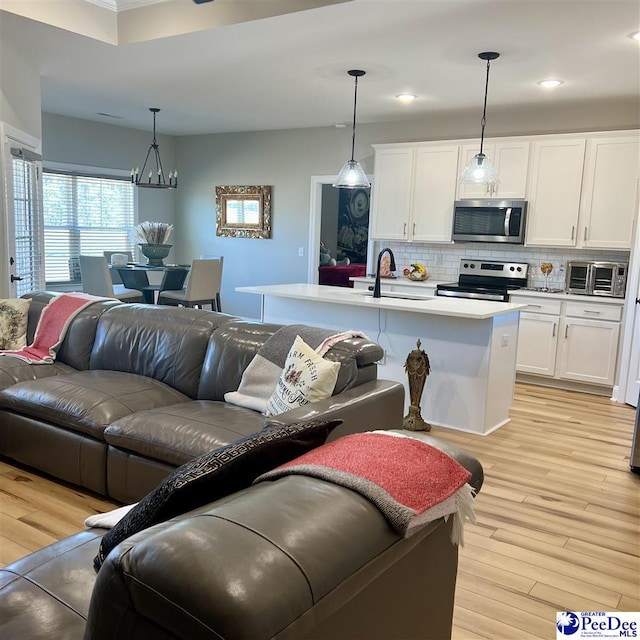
156 178
352 176
481 170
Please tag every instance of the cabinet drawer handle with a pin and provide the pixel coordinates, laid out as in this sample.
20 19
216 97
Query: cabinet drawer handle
590 311
553 335
585 233
534 306
404 229
414 229
573 231
566 331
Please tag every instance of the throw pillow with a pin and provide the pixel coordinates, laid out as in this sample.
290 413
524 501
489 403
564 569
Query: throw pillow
306 377
13 324
216 474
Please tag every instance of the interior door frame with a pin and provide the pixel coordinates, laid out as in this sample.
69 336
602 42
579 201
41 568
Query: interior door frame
315 223
10 136
627 388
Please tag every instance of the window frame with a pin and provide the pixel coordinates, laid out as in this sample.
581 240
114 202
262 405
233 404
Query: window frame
73 170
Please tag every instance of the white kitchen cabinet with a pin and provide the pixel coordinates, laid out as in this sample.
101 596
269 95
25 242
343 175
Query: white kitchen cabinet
391 193
588 350
554 192
511 160
568 339
538 335
610 192
537 341
413 193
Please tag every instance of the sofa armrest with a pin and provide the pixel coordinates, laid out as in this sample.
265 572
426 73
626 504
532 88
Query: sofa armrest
378 404
277 560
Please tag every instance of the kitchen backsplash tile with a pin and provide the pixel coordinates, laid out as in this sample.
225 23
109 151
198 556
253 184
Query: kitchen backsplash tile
442 261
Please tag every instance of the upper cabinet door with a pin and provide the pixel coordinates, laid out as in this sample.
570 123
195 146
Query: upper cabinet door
610 192
391 194
555 186
434 189
511 160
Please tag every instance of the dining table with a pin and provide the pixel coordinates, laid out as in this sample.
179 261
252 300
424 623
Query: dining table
168 277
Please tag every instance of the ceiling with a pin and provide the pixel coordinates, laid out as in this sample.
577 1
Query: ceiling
289 69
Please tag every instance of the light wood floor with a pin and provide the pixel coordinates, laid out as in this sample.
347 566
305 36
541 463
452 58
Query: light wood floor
558 516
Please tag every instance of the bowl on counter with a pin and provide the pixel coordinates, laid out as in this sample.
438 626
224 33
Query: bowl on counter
417 277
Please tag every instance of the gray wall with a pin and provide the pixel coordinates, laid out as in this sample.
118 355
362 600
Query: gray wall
286 160
95 144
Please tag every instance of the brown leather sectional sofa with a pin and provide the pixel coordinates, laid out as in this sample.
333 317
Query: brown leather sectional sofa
297 558
137 390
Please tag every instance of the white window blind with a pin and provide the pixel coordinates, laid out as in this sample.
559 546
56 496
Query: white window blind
84 215
27 221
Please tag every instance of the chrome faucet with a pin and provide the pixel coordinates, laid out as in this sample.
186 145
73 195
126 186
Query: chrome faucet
392 267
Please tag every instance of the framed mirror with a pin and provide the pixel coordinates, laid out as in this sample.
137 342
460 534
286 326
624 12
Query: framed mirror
243 211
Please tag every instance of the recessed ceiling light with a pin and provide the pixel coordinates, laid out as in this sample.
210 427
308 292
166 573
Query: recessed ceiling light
406 98
635 36
550 84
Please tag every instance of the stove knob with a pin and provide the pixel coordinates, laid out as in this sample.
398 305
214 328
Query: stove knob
473 266
519 268
466 265
511 268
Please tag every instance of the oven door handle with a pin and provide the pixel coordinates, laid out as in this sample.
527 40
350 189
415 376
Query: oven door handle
469 294
507 221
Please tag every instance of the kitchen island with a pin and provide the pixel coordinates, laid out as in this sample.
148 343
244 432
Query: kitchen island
471 344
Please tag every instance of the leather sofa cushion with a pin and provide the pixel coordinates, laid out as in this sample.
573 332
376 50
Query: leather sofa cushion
87 401
216 474
13 370
234 345
46 594
165 343
76 347
178 433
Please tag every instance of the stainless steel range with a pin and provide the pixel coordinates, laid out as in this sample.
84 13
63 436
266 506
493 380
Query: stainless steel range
486 280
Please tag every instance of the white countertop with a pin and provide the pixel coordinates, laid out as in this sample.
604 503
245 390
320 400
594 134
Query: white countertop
443 306
559 295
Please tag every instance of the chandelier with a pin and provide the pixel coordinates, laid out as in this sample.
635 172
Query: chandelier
155 179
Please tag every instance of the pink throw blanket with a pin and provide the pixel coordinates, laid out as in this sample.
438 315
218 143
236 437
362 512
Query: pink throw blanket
52 327
411 482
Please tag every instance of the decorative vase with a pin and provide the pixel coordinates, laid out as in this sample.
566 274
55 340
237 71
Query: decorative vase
155 253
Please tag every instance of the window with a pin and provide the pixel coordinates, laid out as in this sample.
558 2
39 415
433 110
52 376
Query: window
26 221
84 215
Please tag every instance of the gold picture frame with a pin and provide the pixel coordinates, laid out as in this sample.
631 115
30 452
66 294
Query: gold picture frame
243 211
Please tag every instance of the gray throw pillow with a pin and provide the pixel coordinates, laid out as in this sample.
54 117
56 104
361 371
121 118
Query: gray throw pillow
216 474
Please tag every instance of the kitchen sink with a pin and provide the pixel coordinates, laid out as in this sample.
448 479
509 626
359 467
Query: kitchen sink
392 294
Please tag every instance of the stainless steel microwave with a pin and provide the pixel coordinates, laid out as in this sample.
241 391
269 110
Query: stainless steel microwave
597 278
489 220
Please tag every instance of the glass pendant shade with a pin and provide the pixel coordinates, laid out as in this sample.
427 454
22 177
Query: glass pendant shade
480 171
352 176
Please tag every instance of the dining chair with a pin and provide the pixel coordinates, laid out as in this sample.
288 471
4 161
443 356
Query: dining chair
172 281
96 280
202 287
115 276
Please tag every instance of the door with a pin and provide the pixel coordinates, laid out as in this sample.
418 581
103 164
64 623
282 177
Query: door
597 362
633 376
391 194
434 188
537 339
609 200
554 199
24 224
